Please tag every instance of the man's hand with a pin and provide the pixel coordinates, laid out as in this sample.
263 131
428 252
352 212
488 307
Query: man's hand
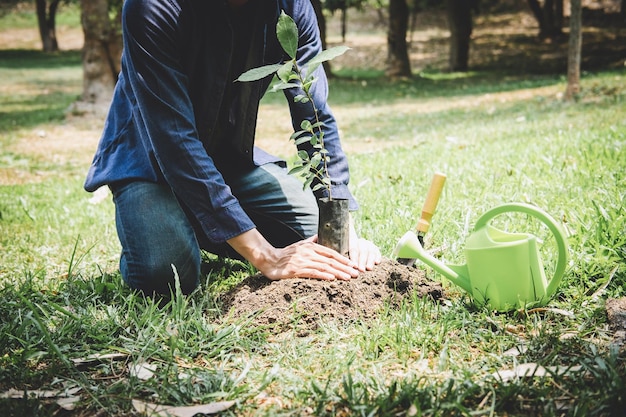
365 253
304 259
307 259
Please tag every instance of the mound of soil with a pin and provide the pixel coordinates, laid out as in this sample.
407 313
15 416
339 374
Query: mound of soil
300 304
616 312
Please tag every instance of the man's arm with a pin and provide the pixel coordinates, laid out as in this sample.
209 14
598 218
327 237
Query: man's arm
165 115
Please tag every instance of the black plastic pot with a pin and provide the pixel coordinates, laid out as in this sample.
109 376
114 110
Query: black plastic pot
334 224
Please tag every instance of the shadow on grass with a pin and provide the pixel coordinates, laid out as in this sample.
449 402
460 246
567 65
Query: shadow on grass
42 98
35 110
33 59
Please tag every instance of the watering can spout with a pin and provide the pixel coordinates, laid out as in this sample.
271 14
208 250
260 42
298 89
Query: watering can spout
409 247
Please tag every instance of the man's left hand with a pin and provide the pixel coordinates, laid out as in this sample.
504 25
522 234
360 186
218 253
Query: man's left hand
363 252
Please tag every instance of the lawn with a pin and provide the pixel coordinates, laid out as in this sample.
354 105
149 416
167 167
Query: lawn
75 341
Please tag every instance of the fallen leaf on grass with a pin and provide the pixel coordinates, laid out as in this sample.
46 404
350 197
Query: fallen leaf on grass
264 399
534 370
515 351
68 403
155 410
66 398
36 393
598 293
560 311
143 371
87 360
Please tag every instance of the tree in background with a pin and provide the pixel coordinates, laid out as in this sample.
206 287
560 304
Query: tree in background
549 16
102 52
46 18
460 23
574 53
343 6
321 23
398 64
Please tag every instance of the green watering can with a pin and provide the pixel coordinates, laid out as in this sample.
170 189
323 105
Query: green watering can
503 270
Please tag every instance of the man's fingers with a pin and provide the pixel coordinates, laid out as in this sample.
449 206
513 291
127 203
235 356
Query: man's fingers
330 256
366 254
306 259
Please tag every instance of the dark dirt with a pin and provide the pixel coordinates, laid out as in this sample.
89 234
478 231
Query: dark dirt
300 304
616 312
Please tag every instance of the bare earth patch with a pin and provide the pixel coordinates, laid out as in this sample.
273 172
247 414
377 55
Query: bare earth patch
70 143
300 304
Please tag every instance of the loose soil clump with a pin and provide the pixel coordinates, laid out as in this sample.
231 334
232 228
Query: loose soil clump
616 312
300 304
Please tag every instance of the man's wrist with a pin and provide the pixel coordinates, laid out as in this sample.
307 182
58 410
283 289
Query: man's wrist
254 248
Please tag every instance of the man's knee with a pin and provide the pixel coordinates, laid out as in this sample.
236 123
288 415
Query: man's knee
160 275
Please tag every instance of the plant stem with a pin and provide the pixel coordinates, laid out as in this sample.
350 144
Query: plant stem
320 135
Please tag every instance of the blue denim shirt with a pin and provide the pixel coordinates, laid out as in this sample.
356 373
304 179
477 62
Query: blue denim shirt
178 118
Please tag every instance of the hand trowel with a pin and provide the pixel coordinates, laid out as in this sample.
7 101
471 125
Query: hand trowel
428 210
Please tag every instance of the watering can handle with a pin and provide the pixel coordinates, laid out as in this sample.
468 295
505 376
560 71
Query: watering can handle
554 227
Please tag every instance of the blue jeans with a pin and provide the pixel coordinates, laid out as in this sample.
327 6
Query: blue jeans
156 233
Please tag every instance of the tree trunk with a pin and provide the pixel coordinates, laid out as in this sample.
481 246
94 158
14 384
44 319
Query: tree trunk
574 52
535 7
460 24
415 9
398 64
101 55
321 23
549 17
344 23
558 15
46 19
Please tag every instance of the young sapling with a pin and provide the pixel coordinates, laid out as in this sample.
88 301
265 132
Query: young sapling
311 166
334 219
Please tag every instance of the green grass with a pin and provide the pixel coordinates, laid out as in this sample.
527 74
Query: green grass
499 138
24 16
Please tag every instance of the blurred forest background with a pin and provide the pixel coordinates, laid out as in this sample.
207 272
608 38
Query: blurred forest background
529 36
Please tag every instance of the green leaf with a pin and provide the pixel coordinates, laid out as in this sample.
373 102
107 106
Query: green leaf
283 86
297 134
284 72
297 169
304 139
325 55
316 160
258 73
301 98
287 33
303 155
306 125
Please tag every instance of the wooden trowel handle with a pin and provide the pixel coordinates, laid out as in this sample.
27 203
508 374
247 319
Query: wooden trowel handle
432 198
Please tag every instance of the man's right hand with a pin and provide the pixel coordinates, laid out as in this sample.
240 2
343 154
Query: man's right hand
304 259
